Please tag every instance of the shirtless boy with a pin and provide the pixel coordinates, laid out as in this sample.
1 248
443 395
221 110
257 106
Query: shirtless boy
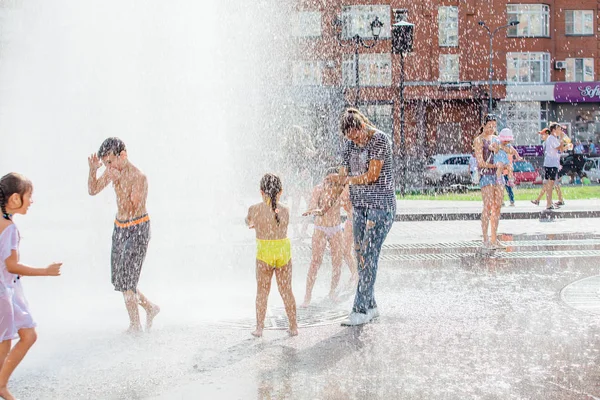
132 225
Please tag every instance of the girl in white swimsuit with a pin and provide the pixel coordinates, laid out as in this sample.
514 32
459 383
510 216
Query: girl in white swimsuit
325 205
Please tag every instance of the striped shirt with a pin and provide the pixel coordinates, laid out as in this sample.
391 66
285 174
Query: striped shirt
381 193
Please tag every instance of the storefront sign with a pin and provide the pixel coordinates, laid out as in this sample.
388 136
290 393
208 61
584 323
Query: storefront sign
529 93
577 92
530 151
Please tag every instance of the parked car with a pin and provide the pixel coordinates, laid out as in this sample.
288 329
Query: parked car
448 169
524 171
592 169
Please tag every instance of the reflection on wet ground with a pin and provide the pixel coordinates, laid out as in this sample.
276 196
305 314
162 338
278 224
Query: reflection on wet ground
472 327
463 325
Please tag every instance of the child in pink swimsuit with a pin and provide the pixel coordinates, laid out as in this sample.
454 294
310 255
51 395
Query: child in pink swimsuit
15 319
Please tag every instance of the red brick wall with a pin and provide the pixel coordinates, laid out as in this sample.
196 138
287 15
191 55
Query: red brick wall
464 105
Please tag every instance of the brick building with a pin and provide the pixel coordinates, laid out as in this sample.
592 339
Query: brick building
544 68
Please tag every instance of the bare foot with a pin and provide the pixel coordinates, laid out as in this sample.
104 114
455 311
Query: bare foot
305 304
150 314
258 332
5 394
134 330
333 297
293 331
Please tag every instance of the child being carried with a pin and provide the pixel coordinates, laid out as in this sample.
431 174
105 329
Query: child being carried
504 156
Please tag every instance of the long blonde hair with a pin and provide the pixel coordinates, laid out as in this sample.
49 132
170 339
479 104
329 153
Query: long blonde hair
352 118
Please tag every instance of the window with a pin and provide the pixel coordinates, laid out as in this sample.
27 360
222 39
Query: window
357 21
525 120
580 69
579 22
306 24
457 161
449 69
380 115
307 73
374 69
534 20
448 26
527 67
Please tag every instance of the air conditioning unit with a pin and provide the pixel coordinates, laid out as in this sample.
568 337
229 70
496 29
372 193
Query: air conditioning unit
560 65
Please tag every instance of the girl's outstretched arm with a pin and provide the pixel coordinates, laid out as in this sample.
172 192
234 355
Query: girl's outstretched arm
14 267
313 206
332 197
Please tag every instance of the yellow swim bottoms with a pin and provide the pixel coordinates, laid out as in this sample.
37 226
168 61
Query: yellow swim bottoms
274 253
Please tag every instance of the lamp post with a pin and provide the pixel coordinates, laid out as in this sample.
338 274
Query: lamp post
491 34
357 41
402 43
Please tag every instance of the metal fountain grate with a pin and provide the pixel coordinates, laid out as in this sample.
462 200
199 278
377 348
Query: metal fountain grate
549 254
497 254
276 319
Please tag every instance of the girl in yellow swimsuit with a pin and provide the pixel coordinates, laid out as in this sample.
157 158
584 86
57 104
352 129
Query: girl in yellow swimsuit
270 221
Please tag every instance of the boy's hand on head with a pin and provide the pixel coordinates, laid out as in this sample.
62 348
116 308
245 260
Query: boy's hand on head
94 162
53 269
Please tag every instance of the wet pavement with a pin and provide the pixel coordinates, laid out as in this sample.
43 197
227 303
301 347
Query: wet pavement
476 327
456 323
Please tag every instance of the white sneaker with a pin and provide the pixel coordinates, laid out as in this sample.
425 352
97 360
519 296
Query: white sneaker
373 313
356 319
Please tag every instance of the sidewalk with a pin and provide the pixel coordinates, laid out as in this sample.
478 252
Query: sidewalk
442 210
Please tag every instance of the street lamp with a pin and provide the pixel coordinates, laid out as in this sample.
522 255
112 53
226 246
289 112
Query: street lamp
491 34
357 41
402 43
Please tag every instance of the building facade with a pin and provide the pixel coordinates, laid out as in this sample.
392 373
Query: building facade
544 68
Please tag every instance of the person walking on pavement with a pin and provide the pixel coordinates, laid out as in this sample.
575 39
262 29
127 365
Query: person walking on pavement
552 148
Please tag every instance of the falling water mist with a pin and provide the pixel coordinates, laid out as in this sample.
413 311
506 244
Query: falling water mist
190 88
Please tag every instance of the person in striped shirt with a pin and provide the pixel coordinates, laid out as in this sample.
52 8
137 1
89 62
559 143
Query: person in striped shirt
367 168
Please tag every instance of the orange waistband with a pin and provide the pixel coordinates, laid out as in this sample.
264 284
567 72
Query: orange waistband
132 222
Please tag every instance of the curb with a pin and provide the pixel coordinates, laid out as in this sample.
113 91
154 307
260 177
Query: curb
471 216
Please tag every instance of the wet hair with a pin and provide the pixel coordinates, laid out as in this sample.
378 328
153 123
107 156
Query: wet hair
352 118
490 117
270 184
553 126
112 145
486 119
332 170
10 184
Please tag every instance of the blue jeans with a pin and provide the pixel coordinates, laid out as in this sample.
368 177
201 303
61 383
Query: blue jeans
370 227
509 190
